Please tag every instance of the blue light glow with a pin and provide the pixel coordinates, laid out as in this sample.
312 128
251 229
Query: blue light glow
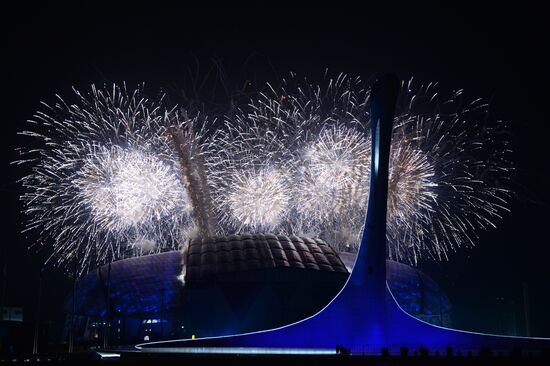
244 350
360 317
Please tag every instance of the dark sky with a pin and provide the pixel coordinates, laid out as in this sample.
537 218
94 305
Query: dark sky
497 53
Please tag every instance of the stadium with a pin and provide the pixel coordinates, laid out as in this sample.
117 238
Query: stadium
230 285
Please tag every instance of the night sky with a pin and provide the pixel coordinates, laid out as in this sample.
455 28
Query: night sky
497 54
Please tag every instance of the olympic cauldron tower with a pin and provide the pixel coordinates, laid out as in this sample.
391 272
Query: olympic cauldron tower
359 317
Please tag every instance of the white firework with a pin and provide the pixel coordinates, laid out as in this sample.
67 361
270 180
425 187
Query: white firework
332 174
130 189
116 175
447 168
106 181
258 201
250 183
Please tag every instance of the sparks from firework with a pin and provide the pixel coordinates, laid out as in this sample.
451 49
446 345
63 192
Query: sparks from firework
105 183
127 189
332 173
293 161
446 167
259 200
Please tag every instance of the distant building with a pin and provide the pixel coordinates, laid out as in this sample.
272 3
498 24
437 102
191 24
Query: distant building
14 314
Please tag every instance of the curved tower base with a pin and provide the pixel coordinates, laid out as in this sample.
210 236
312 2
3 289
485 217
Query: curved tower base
359 318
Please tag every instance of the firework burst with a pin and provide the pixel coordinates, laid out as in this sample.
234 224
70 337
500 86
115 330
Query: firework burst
127 189
333 171
105 182
461 171
116 175
258 201
447 167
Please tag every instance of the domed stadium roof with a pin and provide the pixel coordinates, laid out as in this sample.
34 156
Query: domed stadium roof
248 252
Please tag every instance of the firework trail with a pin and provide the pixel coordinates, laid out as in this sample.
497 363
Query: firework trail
105 183
447 167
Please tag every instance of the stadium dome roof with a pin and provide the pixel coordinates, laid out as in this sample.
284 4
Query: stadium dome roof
247 252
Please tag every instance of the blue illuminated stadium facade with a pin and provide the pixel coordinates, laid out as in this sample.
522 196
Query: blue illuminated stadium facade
149 302
365 314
